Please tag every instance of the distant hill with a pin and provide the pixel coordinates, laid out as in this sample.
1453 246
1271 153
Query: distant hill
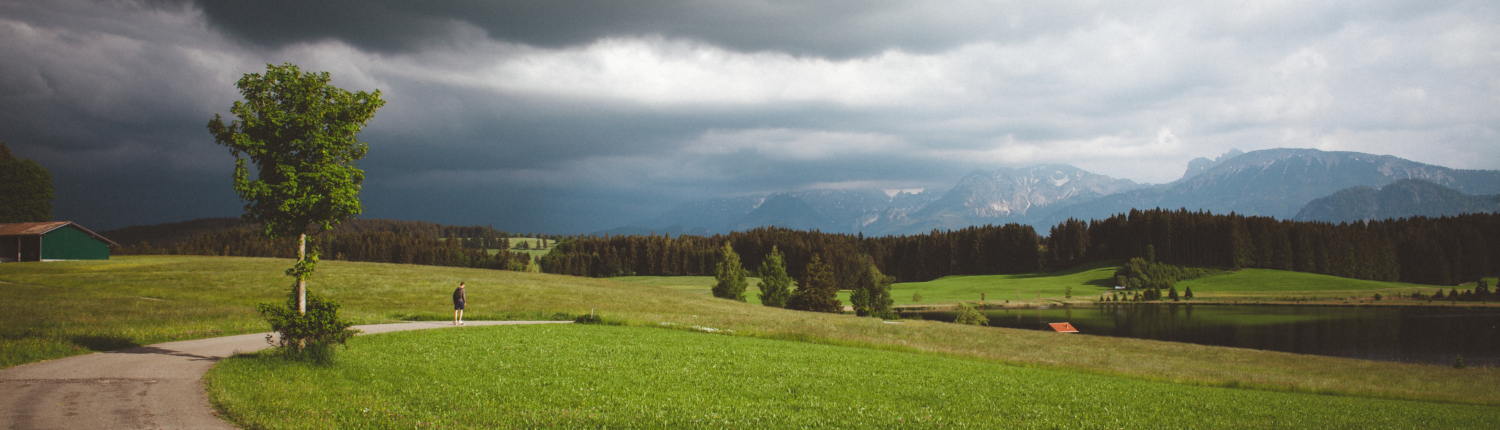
1401 199
1278 183
1004 196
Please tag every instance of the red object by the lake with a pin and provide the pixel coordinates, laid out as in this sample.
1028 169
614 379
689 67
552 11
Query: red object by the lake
1063 327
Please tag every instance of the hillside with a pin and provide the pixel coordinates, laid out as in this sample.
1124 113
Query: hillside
1405 198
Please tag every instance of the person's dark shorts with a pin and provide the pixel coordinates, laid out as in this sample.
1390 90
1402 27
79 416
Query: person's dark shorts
458 306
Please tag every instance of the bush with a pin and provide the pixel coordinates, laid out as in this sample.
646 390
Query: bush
308 336
970 316
593 318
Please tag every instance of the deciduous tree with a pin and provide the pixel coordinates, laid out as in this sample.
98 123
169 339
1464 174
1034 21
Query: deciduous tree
300 132
25 189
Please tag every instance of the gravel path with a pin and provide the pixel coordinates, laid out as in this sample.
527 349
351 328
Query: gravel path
151 387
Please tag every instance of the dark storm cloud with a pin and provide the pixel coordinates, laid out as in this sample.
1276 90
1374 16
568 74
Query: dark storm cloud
840 28
568 116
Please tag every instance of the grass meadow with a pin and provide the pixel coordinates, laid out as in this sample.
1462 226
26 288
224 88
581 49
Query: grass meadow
594 376
56 309
1089 282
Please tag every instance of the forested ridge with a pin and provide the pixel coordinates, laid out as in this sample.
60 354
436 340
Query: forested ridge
376 240
1437 251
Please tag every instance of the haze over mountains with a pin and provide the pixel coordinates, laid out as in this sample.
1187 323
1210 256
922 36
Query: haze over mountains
1273 182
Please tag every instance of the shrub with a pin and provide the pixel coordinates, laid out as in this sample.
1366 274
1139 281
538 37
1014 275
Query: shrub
306 336
968 315
916 297
593 318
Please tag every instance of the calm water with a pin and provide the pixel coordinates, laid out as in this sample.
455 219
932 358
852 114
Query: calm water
1405 333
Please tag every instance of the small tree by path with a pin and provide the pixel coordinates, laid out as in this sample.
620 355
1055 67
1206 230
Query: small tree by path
730 275
301 134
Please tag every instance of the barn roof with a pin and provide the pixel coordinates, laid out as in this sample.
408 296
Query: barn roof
1062 327
41 228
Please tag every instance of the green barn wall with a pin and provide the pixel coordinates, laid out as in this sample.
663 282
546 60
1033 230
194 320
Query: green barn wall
69 243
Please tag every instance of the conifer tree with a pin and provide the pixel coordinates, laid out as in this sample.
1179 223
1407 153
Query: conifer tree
775 285
730 275
818 291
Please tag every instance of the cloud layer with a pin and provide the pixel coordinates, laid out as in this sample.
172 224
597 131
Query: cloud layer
575 116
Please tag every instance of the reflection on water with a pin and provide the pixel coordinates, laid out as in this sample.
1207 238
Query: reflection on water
1403 333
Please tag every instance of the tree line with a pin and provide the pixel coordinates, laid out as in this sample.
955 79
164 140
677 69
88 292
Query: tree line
376 241
1435 251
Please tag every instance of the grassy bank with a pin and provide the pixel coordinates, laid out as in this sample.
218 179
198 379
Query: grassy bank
191 296
588 376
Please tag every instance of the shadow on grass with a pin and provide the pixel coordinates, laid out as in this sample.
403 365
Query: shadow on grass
103 343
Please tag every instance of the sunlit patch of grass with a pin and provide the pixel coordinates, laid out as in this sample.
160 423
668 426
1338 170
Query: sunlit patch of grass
578 376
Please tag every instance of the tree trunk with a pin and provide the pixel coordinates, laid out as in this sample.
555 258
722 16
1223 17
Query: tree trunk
301 280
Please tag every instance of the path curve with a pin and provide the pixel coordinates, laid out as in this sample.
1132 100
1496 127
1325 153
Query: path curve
150 387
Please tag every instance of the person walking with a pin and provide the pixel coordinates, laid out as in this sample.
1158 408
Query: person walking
458 304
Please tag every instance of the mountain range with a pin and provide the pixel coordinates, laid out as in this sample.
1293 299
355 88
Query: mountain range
1280 183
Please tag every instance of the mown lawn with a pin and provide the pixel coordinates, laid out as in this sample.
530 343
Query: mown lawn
52 310
591 376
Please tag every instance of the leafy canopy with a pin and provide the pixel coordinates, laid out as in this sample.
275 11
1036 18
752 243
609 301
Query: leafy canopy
300 132
25 189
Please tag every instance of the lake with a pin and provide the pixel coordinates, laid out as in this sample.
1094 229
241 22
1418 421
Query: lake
1412 334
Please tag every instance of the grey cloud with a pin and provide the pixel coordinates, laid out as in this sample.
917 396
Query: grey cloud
837 28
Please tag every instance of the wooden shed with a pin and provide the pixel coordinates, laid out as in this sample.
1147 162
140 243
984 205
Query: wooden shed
51 241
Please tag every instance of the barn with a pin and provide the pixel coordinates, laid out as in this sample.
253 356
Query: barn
50 241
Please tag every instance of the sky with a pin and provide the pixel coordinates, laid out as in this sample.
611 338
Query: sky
566 116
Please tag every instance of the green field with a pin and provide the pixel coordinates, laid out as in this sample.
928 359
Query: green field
532 246
54 309
1087 281
591 376
697 284
1091 281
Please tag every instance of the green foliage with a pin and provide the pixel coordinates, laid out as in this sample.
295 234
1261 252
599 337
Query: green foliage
310 335
1458 362
301 134
1172 294
1140 273
1068 292
967 315
871 296
1188 293
916 297
818 292
775 285
593 318
25 189
730 276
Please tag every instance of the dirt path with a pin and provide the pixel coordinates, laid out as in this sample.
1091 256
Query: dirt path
150 387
